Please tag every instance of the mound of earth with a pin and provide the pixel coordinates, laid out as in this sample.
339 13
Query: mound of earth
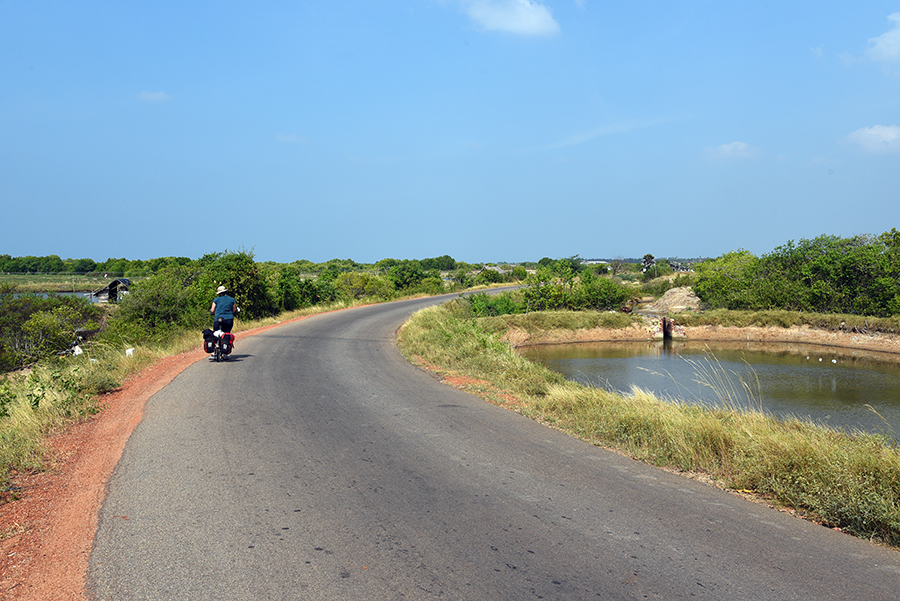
674 300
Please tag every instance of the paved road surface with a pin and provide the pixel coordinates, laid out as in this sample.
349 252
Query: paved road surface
318 464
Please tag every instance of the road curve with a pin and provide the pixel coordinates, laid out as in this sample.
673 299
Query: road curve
318 464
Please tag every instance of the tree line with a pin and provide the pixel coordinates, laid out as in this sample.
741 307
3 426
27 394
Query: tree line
857 275
53 264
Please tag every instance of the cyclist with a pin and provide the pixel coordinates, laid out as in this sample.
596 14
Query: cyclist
223 308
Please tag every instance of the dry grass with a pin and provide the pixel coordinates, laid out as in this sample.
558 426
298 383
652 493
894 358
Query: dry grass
851 481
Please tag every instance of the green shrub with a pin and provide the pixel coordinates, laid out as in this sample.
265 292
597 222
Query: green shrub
431 285
486 305
489 276
158 306
33 327
356 286
858 275
244 280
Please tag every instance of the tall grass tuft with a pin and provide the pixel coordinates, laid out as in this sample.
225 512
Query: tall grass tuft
846 480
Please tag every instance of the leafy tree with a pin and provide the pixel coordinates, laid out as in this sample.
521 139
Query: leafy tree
83 266
462 277
406 274
827 274
442 263
431 284
292 291
32 326
546 290
362 285
599 293
489 276
720 281
160 305
47 333
569 264
239 273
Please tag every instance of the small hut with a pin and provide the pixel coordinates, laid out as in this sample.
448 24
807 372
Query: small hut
112 291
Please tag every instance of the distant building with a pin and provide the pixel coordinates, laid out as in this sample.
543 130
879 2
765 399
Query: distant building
112 291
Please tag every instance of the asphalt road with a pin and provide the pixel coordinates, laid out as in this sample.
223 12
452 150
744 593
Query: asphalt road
318 464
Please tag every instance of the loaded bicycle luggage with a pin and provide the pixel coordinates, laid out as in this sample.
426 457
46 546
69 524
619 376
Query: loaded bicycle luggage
227 342
209 341
218 343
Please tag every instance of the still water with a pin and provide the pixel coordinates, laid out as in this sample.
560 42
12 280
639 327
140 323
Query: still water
827 385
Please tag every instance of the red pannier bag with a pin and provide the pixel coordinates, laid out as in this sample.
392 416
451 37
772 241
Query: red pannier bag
228 338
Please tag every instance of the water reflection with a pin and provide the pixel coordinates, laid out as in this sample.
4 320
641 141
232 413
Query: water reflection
837 387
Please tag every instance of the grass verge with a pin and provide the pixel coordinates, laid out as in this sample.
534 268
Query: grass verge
849 481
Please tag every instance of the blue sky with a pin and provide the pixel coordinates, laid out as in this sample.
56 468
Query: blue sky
489 130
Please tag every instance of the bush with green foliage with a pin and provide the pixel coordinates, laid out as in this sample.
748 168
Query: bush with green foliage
858 275
244 280
292 291
432 284
157 307
443 263
489 275
552 289
599 293
34 326
492 305
357 286
406 274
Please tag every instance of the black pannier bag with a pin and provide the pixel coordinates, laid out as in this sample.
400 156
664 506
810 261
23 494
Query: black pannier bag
209 341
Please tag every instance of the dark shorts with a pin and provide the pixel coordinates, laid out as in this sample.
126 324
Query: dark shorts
226 326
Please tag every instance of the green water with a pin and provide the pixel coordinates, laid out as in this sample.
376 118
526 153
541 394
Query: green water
830 386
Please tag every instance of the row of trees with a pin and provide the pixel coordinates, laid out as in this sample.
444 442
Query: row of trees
829 274
118 267
53 264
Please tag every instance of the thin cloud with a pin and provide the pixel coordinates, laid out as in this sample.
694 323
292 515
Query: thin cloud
732 150
877 139
886 47
154 96
522 17
289 138
618 128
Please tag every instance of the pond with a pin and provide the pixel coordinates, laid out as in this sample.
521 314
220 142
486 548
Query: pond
842 388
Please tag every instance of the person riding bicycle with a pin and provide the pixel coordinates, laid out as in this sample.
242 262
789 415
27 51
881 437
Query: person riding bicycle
223 307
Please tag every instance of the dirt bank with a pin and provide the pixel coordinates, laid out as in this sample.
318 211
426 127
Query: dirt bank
886 346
